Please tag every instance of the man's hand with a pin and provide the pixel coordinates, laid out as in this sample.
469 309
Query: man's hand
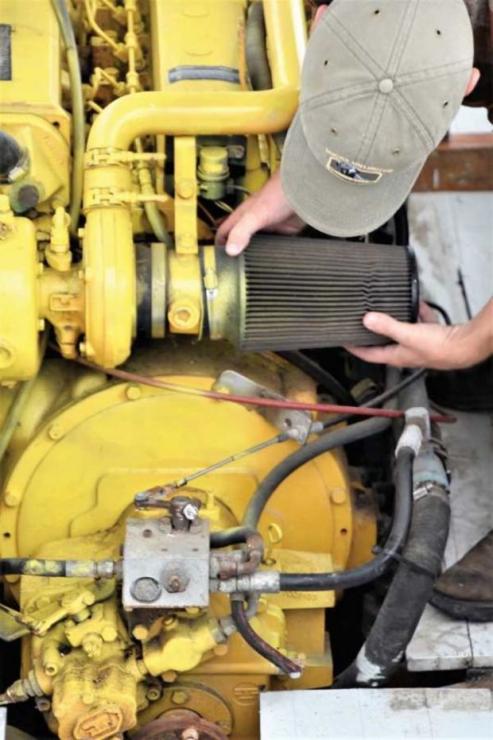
430 345
268 209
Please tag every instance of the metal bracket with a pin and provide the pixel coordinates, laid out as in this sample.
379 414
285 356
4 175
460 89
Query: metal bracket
298 424
164 567
11 625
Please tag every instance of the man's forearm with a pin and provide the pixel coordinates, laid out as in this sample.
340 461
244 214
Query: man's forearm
480 331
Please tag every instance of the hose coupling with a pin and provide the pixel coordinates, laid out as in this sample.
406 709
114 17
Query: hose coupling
263 582
242 562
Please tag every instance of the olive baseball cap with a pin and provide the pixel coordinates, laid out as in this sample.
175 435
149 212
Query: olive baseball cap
381 82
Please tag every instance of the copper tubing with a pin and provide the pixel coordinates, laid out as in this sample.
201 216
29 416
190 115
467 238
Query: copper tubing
327 408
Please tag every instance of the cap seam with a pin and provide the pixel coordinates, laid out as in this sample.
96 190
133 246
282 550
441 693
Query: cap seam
344 92
374 112
423 74
413 118
364 61
362 153
409 20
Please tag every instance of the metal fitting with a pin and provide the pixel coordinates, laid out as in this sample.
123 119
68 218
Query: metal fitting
239 562
263 582
416 431
175 579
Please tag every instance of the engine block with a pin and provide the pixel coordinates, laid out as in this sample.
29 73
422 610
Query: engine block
178 134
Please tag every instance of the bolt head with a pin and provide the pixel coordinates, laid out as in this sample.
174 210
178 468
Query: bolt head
179 697
173 584
153 693
55 432
190 512
133 392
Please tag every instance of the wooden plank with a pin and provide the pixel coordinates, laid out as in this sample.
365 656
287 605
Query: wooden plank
464 162
420 714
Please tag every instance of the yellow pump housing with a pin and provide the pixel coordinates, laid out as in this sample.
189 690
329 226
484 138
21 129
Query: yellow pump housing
176 134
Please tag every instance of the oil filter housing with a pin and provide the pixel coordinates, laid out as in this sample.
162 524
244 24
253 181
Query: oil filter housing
302 293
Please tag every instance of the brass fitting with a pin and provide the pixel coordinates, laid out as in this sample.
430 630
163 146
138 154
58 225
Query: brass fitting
58 254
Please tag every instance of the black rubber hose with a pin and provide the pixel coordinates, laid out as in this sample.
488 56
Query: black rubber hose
240 619
380 564
321 376
420 564
11 155
233 536
409 592
380 399
308 452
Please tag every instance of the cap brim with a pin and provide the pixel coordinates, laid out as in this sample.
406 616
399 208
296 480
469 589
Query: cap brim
330 204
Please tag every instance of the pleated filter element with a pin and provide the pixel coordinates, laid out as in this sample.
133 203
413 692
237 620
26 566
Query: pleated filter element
299 293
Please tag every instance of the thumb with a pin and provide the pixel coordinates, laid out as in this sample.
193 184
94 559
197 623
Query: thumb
381 323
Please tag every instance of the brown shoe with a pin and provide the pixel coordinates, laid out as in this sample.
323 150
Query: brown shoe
465 591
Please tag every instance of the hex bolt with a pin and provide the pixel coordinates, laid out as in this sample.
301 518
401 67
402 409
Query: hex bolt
153 693
133 392
43 704
145 590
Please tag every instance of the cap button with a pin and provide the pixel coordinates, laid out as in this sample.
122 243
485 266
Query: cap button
386 86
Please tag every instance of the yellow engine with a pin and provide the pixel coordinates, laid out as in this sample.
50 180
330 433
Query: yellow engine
137 486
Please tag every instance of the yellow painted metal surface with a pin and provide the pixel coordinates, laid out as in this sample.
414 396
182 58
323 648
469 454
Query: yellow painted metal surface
19 322
121 438
186 195
123 465
35 86
196 39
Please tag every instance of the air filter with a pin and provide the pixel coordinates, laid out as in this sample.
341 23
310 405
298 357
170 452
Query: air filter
299 293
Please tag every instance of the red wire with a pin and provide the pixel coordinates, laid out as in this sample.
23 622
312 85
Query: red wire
328 408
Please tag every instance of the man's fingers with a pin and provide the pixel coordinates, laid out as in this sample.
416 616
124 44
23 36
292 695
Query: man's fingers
240 235
396 356
398 331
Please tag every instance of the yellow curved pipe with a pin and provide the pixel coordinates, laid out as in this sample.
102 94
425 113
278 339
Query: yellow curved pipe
189 113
